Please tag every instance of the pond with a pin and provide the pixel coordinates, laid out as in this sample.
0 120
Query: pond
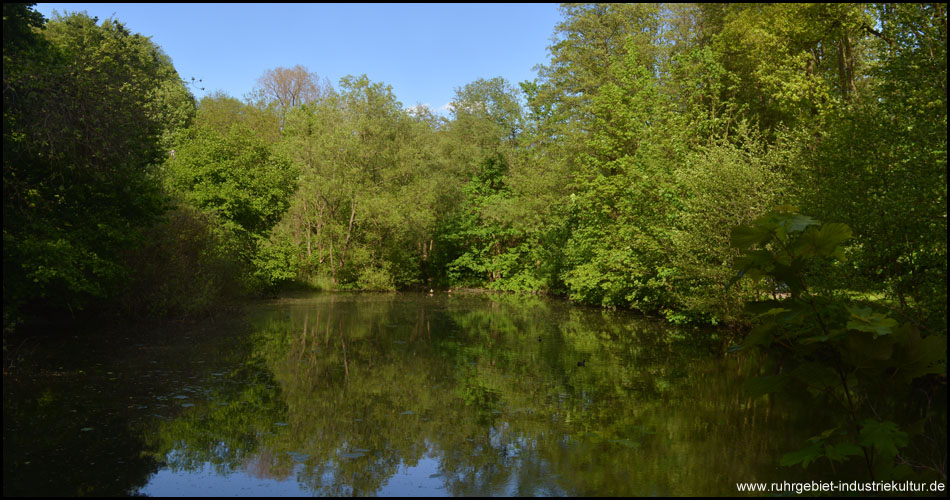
391 394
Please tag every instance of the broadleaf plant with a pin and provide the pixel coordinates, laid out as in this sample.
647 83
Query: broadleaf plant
844 354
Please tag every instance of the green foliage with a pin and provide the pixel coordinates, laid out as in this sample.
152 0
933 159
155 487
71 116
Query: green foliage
613 179
183 269
219 111
862 361
244 186
369 186
235 176
881 166
723 184
86 108
794 61
375 279
481 236
704 92
488 236
621 205
274 263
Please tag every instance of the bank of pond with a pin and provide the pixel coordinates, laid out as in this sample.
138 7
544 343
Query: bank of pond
396 394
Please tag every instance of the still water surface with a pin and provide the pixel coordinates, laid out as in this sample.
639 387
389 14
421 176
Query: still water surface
391 394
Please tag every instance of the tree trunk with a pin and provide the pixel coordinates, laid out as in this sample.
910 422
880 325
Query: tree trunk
332 267
846 68
349 233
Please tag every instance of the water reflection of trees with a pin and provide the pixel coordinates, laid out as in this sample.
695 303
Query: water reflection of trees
344 392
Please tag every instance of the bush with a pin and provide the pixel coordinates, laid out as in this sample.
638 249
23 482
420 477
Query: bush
375 278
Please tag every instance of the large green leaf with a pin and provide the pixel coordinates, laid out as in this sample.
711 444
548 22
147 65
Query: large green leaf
864 320
817 376
885 435
823 242
841 451
803 456
761 335
743 237
794 223
865 350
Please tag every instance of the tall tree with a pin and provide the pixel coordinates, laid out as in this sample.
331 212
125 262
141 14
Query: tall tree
364 209
86 108
880 164
795 61
284 89
481 144
239 180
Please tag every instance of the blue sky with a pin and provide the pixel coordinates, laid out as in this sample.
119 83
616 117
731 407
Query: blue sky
424 51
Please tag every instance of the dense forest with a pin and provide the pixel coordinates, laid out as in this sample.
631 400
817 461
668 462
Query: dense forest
779 170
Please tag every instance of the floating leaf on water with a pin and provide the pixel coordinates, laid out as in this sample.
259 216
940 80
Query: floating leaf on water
437 474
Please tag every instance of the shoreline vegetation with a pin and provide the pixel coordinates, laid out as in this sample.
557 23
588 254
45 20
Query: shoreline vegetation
778 172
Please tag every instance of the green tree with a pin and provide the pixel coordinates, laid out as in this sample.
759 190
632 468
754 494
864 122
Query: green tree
795 62
881 166
491 246
86 108
364 212
622 191
240 181
722 185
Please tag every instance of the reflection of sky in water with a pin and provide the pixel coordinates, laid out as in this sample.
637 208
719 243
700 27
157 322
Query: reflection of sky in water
425 479
416 481
422 480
